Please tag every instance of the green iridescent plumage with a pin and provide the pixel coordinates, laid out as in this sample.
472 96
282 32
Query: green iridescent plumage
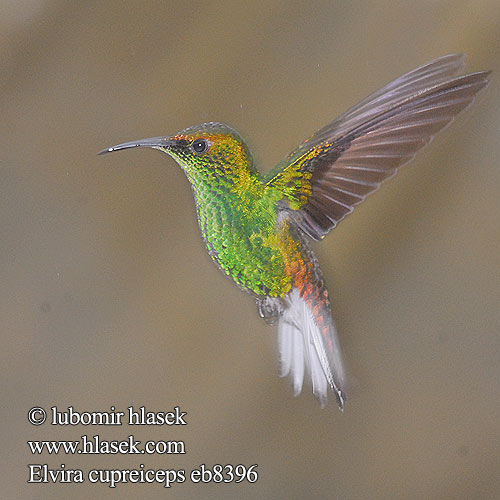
255 227
237 212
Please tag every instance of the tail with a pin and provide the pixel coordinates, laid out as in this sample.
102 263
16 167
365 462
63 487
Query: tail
308 343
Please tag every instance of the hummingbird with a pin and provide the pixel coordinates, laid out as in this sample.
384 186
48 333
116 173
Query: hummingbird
257 228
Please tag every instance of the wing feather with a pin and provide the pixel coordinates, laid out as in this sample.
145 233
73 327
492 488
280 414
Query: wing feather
350 158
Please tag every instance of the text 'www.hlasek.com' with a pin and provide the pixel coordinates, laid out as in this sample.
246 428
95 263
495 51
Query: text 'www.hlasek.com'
93 444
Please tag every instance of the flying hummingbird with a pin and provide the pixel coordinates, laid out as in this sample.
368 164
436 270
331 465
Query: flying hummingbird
257 228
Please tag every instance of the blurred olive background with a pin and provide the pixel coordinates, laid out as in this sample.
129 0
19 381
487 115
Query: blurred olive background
108 295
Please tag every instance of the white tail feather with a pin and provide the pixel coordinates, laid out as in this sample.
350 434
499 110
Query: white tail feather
302 350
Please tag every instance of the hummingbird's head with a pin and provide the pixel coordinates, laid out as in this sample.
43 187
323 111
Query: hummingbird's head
210 147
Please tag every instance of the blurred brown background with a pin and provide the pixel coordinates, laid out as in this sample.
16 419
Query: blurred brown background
109 297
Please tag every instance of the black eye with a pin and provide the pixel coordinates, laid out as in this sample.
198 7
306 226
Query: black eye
200 146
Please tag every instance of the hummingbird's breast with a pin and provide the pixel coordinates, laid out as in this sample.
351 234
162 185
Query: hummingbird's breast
246 240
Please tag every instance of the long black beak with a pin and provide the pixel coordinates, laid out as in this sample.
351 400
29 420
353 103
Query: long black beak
153 142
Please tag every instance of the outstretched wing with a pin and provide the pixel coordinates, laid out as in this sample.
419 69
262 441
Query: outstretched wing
333 171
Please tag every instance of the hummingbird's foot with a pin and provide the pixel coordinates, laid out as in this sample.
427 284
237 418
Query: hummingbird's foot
270 309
